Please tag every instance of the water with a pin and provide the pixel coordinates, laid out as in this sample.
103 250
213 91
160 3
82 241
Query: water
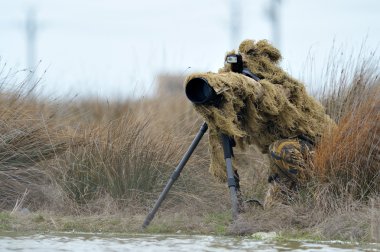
156 243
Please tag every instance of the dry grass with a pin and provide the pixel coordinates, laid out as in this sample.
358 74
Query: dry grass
349 157
95 156
28 136
109 158
347 160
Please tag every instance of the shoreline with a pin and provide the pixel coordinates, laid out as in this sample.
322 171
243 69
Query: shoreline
41 222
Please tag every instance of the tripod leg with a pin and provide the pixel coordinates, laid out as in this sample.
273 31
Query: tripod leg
232 185
175 174
238 192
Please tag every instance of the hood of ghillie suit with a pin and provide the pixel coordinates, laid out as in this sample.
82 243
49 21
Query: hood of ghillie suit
259 112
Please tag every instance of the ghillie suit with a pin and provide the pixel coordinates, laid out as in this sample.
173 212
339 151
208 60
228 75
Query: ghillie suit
262 112
290 161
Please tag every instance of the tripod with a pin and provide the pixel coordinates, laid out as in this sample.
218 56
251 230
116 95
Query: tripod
226 142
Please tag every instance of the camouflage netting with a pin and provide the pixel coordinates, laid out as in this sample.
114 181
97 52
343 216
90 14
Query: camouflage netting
276 107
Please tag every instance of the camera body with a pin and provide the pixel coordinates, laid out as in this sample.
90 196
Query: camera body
236 62
237 66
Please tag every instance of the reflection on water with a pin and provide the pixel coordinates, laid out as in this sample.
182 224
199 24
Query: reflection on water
108 242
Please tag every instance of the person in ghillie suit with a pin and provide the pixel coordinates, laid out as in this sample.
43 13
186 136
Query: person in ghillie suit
274 113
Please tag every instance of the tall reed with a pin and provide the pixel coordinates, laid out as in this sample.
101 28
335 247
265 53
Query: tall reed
347 159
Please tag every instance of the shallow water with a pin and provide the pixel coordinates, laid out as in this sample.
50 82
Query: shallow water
156 243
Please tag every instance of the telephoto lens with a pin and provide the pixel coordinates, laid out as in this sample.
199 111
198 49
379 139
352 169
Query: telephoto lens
199 91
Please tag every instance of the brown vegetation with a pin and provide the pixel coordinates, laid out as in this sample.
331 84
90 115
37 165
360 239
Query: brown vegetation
347 160
112 159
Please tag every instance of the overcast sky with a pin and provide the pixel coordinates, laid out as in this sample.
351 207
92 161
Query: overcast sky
114 48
